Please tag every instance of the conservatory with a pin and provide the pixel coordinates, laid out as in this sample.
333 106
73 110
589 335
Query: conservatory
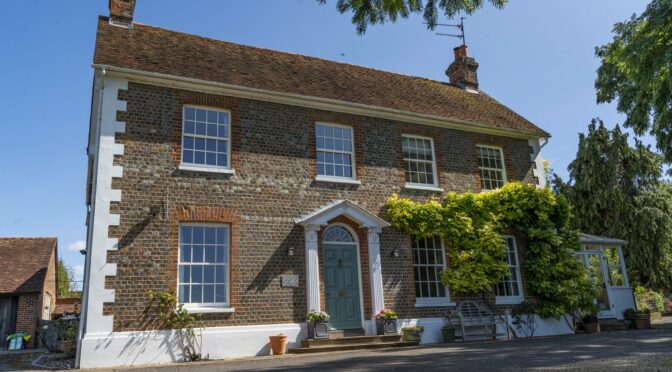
603 258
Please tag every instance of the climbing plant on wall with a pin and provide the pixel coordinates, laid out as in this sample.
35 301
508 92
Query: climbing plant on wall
471 226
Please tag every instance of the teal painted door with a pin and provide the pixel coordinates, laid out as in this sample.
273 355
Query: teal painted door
341 285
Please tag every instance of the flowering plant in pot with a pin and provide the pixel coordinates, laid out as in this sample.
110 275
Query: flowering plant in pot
412 333
318 324
386 322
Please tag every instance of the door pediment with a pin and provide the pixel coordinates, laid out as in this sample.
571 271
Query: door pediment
347 208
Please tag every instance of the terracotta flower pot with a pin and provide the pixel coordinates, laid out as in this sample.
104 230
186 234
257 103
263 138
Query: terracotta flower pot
278 344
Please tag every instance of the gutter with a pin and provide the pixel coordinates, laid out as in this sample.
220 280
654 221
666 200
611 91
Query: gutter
199 85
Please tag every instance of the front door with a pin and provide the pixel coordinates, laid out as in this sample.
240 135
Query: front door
341 285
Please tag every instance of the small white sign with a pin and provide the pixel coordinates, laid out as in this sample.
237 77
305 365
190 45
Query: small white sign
289 281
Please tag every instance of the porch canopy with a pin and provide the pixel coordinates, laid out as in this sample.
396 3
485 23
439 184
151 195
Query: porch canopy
312 223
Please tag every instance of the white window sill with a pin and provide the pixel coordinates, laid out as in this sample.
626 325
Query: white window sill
508 300
420 302
412 186
209 310
196 168
348 181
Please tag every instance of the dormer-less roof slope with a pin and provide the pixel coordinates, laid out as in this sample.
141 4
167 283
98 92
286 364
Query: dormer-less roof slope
156 50
24 263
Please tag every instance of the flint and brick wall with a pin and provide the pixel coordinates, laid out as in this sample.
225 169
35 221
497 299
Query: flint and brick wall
273 154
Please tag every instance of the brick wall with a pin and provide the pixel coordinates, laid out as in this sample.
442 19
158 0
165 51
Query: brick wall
274 160
27 313
50 286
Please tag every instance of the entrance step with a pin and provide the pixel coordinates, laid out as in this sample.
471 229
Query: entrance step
612 324
346 333
351 343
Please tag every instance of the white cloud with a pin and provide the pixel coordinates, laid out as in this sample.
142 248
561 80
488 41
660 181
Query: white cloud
79 272
77 246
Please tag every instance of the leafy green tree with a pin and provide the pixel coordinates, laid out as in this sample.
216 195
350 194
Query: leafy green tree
372 12
615 190
66 280
636 71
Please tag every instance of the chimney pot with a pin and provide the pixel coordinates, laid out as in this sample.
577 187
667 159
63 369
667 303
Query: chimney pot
460 51
121 12
462 72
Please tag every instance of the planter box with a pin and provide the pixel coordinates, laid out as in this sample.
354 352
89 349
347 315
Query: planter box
642 321
386 326
411 335
448 334
591 327
318 330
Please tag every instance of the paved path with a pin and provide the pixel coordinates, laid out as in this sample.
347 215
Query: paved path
648 350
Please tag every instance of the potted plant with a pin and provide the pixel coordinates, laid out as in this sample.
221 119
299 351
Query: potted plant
448 332
412 333
643 318
386 322
629 315
318 324
278 344
590 322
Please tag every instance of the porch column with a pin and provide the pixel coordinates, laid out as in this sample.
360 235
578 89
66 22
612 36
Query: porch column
312 268
375 270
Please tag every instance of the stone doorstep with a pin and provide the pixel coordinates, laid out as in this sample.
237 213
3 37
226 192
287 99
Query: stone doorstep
612 324
346 333
355 340
360 346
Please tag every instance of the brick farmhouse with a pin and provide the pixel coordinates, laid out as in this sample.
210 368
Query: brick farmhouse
27 285
253 183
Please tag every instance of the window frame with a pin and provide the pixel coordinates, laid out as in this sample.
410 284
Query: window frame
512 300
341 179
626 283
432 301
435 174
207 307
205 167
503 170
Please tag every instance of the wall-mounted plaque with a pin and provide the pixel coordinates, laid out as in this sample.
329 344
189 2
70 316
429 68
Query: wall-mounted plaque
289 281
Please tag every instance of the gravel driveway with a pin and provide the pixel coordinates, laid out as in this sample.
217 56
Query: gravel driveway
648 350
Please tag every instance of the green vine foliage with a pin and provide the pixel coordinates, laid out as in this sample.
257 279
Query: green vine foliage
471 226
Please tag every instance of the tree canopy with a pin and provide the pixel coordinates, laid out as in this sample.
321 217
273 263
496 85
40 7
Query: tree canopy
616 191
67 287
372 12
636 71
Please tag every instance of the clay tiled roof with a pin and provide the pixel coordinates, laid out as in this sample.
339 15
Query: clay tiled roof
24 263
156 50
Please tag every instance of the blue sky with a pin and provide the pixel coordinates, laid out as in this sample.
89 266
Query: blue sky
537 57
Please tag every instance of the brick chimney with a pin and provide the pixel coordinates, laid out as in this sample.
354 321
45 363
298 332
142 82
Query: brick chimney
121 12
462 72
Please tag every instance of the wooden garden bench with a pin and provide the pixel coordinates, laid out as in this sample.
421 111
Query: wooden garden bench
470 314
